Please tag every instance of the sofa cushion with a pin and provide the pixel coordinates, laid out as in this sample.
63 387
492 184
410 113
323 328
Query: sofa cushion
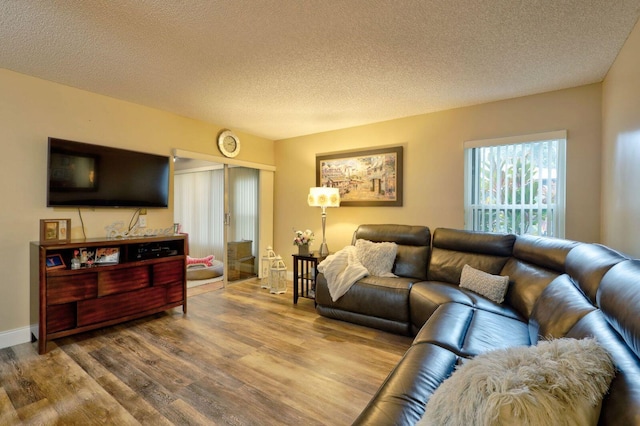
378 302
526 282
559 382
427 296
452 249
414 246
535 263
491 286
467 331
378 258
559 307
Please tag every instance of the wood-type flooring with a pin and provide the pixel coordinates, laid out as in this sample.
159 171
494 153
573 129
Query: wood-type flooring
241 356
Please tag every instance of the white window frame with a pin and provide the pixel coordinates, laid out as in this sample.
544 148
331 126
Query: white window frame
559 210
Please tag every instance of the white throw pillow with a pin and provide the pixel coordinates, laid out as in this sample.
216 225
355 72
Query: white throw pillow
493 287
559 382
378 258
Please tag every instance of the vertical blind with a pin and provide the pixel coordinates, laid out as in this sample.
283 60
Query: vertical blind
243 205
516 187
199 208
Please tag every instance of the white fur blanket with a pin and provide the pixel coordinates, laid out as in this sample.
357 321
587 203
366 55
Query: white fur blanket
342 269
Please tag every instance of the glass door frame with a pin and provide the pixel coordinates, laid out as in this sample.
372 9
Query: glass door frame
265 235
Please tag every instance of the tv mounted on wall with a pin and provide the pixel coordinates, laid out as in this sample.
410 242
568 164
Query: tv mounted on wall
85 175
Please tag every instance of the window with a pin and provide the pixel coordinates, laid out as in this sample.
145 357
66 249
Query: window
516 184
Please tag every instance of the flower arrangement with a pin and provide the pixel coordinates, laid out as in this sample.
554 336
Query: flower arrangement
303 238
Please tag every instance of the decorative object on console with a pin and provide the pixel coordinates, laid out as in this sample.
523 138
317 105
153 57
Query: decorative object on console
559 382
55 230
265 265
119 230
75 260
324 197
278 276
365 178
493 287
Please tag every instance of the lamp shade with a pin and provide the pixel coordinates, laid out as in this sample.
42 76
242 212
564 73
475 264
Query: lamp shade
324 197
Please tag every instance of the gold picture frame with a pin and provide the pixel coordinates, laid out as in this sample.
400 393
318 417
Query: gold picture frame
365 178
55 230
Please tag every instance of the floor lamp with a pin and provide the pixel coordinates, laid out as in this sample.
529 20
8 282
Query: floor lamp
324 197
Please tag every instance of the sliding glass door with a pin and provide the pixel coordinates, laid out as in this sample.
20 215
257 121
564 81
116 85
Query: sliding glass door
241 219
226 207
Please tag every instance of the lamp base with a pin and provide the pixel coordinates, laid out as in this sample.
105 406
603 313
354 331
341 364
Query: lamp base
324 250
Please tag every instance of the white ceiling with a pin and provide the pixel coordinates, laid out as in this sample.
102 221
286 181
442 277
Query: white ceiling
284 68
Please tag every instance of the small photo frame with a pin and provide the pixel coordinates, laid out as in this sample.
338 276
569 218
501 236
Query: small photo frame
107 256
87 258
55 230
54 261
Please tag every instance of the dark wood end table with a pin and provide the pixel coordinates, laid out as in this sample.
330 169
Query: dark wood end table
305 269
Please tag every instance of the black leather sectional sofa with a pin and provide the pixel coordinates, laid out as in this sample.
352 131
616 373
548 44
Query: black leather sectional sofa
557 288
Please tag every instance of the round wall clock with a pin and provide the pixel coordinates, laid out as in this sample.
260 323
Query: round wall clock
228 143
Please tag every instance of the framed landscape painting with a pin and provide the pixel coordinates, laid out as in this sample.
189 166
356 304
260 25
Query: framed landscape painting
364 178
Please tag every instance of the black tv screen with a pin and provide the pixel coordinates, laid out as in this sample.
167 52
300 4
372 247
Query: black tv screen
85 175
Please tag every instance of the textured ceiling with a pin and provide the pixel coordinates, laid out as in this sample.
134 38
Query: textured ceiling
284 68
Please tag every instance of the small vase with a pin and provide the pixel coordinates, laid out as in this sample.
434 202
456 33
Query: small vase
303 250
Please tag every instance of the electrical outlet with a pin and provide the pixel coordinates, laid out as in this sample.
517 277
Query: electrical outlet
142 221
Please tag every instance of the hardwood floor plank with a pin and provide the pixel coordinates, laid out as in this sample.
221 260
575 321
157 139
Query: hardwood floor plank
17 380
242 356
8 414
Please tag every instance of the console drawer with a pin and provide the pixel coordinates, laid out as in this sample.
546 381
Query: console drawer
122 280
120 305
168 272
61 317
70 288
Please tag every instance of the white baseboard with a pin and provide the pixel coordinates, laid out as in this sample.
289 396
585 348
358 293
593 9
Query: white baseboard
15 337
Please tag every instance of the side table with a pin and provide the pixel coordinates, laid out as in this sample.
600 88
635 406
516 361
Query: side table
305 268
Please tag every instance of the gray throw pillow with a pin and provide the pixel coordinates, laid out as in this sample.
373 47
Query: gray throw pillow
493 287
378 258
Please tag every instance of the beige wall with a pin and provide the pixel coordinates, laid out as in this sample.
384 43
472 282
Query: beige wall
434 162
31 110
621 150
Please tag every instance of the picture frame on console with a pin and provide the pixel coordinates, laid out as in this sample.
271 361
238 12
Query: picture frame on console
368 178
55 261
55 230
107 256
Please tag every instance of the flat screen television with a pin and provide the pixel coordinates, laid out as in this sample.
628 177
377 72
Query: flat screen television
85 175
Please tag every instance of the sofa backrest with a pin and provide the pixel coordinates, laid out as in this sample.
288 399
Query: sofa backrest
454 248
588 263
619 299
535 263
414 246
560 306
600 298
